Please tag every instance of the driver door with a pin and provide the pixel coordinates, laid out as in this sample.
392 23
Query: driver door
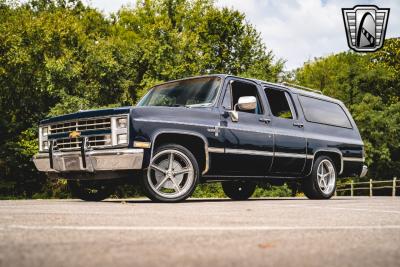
249 141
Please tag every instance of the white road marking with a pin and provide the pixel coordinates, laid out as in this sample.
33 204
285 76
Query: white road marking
195 228
333 208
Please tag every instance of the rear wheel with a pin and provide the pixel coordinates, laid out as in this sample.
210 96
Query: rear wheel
321 184
238 190
172 175
89 190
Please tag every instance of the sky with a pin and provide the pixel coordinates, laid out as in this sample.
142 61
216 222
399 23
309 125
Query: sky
295 30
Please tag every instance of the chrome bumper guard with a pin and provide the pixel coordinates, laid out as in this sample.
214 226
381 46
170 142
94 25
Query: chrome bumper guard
364 171
87 160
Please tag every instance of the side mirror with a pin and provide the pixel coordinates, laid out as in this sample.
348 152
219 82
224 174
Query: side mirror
247 103
244 103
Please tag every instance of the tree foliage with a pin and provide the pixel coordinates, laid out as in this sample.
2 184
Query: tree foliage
59 56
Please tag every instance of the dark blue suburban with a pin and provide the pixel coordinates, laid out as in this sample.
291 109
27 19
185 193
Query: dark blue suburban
216 128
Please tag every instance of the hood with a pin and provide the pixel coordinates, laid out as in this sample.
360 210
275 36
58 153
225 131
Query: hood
87 114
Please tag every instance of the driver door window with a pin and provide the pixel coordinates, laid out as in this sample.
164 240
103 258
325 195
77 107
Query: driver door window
237 89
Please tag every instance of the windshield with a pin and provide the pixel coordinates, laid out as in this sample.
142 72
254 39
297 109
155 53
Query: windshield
188 93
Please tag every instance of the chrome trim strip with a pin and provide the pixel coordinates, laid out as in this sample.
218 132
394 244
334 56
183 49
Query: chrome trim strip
216 150
353 159
290 155
174 122
248 152
245 130
309 156
86 119
258 152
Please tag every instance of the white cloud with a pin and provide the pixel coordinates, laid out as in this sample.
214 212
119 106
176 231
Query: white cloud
301 30
296 30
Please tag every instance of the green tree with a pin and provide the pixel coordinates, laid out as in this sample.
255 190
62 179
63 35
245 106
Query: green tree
59 56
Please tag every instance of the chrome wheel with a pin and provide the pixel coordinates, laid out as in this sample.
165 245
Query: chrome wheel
326 176
171 174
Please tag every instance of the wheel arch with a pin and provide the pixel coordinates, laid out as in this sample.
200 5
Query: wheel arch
160 136
334 153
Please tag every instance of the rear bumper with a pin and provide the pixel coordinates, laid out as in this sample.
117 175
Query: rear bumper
94 160
364 171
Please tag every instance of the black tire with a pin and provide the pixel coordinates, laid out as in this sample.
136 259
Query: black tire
89 190
191 178
238 190
310 185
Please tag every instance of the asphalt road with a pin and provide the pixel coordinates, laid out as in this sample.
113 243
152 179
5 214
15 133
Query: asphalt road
268 232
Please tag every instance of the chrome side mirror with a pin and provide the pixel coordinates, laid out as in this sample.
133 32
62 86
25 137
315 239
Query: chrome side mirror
247 103
244 103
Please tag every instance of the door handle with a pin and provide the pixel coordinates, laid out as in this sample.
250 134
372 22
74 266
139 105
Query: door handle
265 120
298 124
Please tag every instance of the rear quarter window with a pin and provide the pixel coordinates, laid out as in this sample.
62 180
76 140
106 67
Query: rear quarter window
325 112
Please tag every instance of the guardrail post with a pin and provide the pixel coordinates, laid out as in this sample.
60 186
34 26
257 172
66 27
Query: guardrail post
394 187
352 188
370 187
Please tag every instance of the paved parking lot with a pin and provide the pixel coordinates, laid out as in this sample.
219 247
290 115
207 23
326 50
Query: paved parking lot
260 232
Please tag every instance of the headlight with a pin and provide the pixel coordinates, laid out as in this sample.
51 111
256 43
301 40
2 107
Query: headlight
122 139
122 122
119 130
43 138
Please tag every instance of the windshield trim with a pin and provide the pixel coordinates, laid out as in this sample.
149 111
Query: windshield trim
212 104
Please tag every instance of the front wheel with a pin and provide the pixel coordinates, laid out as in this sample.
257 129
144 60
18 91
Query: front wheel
172 175
89 190
238 190
321 184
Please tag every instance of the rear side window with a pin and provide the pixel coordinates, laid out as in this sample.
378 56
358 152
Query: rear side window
325 112
278 102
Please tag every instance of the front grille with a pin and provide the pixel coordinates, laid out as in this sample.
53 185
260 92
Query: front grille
75 143
81 125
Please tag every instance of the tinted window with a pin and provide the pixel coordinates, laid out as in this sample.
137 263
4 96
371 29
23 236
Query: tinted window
278 101
320 111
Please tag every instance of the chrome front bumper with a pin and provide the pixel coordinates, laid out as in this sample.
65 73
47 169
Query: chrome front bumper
93 160
364 171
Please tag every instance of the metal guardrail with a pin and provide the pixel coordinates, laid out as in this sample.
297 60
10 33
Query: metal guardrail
354 186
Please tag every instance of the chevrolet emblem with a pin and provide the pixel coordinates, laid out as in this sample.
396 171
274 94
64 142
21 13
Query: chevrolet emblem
74 134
